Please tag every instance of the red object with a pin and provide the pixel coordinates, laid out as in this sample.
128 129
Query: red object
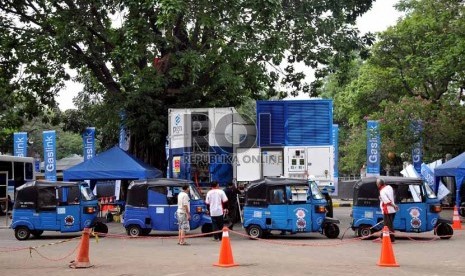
456 223
82 257
226 258
387 254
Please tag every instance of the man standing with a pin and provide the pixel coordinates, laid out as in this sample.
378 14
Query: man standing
183 214
215 199
233 208
387 205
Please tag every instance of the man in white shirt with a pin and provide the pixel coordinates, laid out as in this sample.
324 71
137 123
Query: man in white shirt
387 205
183 214
215 200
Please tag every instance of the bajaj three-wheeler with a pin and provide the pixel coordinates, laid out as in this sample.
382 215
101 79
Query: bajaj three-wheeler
152 204
418 211
54 206
284 204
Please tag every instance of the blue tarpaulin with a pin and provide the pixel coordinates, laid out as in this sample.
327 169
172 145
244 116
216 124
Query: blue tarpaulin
113 164
454 168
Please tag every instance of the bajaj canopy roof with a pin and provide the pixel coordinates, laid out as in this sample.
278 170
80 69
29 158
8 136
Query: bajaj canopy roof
366 192
45 184
114 163
137 190
257 190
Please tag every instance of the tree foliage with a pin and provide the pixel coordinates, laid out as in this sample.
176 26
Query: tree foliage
415 72
143 57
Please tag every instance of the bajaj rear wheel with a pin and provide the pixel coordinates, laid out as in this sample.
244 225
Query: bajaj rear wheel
462 211
364 231
133 230
255 231
22 233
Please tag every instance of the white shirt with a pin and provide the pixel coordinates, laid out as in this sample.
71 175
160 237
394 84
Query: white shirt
183 200
216 198
386 196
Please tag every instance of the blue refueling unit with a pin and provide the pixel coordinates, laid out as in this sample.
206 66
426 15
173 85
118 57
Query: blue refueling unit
294 123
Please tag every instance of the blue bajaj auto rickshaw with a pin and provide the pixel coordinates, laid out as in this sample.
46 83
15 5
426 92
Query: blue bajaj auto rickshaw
418 211
291 205
152 204
54 206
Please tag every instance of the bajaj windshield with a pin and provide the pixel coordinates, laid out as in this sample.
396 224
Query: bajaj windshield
194 193
86 193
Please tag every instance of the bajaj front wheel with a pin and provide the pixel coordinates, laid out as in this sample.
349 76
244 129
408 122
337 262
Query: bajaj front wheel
22 233
444 231
207 228
101 229
331 231
255 231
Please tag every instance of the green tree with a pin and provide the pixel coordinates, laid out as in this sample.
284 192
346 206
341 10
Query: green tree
415 72
425 50
142 57
67 143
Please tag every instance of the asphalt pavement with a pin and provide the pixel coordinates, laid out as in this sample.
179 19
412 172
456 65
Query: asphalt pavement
299 254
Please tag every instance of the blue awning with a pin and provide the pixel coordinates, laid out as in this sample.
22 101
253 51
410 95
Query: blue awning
113 164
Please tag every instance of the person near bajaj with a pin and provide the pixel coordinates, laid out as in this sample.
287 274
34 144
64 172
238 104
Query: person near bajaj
183 214
216 201
233 207
387 205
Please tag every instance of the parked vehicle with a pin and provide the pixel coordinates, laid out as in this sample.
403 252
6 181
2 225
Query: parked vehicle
284 204
54 206
152 204
418 211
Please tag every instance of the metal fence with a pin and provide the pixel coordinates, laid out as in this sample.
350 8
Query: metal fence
349 177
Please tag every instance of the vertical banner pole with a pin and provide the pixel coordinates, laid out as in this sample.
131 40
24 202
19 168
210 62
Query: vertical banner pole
20 144
373 148
49 138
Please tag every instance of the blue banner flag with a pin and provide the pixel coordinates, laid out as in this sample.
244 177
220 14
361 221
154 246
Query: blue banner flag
336 149
88 139
417 155
428 175
20 144
373 148
50 160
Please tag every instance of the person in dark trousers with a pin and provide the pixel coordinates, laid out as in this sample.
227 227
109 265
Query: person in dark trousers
233 208
387 205
216 201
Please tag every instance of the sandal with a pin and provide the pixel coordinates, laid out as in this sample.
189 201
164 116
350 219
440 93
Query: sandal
184 243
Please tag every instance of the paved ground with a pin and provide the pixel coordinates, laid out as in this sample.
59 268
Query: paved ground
301 254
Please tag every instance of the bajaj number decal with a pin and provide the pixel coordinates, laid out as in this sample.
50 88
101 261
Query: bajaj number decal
69 220
415 222
300 223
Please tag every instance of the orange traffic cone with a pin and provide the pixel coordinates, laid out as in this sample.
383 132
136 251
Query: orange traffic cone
82 258
226 258
387 254
457 224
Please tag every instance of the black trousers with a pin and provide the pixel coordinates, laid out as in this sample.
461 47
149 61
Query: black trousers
233 216
389 222
217 224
